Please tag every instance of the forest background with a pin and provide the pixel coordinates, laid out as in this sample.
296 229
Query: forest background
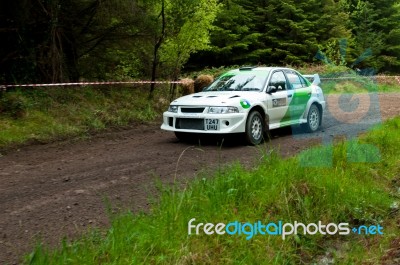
72 40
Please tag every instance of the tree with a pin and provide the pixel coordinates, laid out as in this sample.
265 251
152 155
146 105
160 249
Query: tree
374 27
231 37
55 40
184 30
274 31
189 37
295 30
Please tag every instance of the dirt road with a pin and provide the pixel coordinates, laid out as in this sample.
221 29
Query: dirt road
56 190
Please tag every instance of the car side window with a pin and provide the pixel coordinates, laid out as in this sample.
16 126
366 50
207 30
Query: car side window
295 80
303 81
278 81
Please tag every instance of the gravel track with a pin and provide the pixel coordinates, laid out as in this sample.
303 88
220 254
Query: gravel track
60 189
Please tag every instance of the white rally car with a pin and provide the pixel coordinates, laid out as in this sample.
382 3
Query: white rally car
249 100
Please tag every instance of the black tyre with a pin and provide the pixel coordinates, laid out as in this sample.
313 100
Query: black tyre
182 136
255 128
313 119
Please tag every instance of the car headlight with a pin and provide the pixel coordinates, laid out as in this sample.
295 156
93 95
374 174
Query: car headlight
223 110
173 108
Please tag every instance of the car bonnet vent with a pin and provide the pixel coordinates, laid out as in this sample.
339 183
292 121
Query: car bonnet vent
235 96
197 96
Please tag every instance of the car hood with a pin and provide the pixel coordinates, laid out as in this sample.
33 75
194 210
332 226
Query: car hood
217 98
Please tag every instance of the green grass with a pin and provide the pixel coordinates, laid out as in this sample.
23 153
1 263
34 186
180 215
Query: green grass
48 114
360 186
346 80
358 86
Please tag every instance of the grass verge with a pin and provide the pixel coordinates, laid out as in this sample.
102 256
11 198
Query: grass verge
42 115
359 85
340 79
53 113
360 187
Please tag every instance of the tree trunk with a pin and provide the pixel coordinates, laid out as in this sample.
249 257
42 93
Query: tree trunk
156 48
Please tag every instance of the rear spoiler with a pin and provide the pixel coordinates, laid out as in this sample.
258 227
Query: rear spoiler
314 78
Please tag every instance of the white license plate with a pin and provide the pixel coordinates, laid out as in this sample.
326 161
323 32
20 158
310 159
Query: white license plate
212 124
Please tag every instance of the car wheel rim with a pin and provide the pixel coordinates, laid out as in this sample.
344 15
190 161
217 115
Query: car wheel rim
314 119
256 128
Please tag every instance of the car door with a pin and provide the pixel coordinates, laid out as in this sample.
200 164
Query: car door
301 94
277 100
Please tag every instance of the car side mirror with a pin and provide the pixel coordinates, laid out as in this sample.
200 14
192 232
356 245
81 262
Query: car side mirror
271 89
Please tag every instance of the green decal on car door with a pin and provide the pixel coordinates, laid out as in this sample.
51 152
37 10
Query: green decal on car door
299 95
297 105
299 102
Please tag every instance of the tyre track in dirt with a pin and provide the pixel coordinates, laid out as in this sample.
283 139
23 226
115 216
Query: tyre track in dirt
60 189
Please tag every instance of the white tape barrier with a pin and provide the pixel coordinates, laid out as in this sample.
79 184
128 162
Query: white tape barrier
93 83
166 82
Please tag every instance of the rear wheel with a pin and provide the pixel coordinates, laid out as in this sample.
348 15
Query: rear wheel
313 119
255 128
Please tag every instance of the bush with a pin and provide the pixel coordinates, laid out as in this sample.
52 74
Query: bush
13 104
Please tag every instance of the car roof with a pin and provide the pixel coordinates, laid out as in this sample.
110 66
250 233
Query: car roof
257 68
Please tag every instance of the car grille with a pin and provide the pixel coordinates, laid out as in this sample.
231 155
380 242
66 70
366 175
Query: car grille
189 124
192 110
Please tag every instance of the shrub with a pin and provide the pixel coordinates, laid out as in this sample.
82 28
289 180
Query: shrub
202 81
187 86
13 104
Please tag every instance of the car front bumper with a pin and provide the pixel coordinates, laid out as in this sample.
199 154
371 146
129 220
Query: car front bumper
197 123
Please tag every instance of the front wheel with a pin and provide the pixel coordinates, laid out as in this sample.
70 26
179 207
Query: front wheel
313 119
254 128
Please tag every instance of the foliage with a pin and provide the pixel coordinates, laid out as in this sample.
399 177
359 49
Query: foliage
371 24
291 32
274 32
276 189
54 40
13 104
189 37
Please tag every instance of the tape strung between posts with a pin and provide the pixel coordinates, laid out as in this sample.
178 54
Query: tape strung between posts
356 77
165 82
93 83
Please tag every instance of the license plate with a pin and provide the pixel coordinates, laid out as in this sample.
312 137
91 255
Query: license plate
212 124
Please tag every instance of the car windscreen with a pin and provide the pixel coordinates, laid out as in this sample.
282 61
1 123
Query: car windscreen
242 81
